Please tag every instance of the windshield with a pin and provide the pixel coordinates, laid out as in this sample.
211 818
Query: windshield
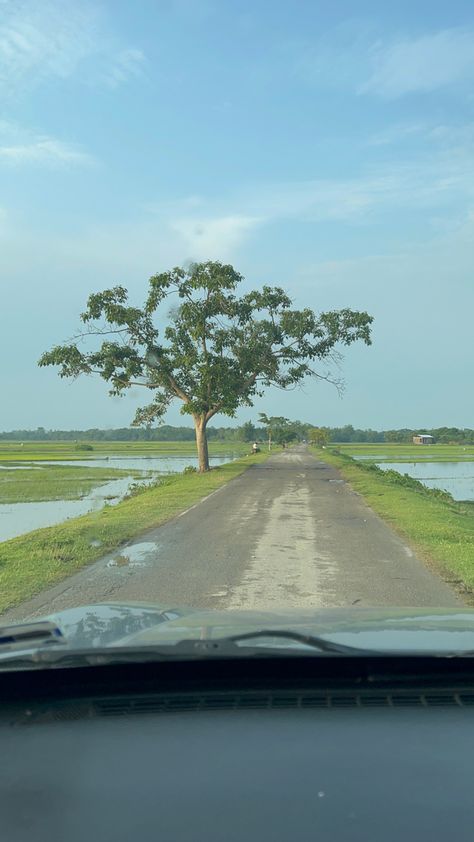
237 297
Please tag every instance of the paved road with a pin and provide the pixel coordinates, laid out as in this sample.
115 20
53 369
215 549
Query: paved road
289 532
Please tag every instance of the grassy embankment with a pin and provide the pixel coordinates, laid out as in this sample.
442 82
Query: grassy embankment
39 559
439 529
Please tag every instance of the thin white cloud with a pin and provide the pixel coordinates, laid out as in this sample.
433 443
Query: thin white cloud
435 187
42 39
399 133
214 237
19 147
420 65
43 151
128 64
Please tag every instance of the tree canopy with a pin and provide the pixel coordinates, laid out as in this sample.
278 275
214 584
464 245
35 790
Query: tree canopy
319 436
218 351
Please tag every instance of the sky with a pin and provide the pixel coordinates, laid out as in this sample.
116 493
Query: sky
324 147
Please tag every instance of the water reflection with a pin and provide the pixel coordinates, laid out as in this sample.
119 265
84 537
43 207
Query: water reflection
457 478
19 518
155 464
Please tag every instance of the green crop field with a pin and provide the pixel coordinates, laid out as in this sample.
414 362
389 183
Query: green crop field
54 482
383 452
11 451
39 482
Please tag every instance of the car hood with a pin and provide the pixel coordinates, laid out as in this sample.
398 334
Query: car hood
140 624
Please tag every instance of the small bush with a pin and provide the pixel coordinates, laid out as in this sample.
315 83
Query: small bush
190 469
83 447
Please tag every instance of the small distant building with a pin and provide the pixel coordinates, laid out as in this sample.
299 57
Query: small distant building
422 439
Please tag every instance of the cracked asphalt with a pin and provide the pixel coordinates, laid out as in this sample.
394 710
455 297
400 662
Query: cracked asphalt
289 532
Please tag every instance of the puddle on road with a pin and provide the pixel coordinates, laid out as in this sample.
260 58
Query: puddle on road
134 555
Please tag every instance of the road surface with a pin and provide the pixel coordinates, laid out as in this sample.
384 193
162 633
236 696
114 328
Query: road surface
288 532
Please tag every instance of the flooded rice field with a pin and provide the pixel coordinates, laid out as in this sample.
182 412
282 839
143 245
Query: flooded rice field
22 517
457 478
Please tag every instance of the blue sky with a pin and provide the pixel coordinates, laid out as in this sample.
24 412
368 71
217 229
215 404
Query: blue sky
325 147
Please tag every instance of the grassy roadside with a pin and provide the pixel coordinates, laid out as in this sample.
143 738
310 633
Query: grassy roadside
32 562
439 529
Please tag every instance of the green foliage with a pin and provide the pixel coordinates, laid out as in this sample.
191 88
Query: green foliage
248 432
279 429
319 436
166 432
189 469
218 351
83 447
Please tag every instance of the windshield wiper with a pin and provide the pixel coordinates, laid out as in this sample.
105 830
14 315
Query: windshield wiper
322 644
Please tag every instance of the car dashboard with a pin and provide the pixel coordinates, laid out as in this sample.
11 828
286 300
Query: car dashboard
226 750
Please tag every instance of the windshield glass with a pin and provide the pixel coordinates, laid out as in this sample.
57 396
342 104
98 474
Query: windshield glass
237 297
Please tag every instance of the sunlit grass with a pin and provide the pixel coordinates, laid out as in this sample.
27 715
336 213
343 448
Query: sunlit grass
440 531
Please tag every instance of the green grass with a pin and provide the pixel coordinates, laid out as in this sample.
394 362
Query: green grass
54 482
39 559
439 529
408 452
47 450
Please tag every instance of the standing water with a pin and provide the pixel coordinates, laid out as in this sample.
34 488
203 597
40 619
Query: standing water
457 478
20 518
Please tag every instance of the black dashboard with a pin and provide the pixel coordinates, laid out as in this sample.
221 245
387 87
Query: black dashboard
238 752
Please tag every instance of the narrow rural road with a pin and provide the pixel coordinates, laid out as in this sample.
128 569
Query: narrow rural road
289 532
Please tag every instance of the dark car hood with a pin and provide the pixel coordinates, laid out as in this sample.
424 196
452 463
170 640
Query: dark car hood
138 624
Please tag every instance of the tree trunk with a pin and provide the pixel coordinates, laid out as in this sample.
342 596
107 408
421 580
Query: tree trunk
201 443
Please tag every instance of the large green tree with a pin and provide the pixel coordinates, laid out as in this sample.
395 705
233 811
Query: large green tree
319 436
278 429
218 351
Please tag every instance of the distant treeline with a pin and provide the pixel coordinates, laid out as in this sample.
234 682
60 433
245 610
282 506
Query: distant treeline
246 432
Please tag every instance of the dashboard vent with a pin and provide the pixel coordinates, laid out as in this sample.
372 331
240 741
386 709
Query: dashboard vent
112 706
275 701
